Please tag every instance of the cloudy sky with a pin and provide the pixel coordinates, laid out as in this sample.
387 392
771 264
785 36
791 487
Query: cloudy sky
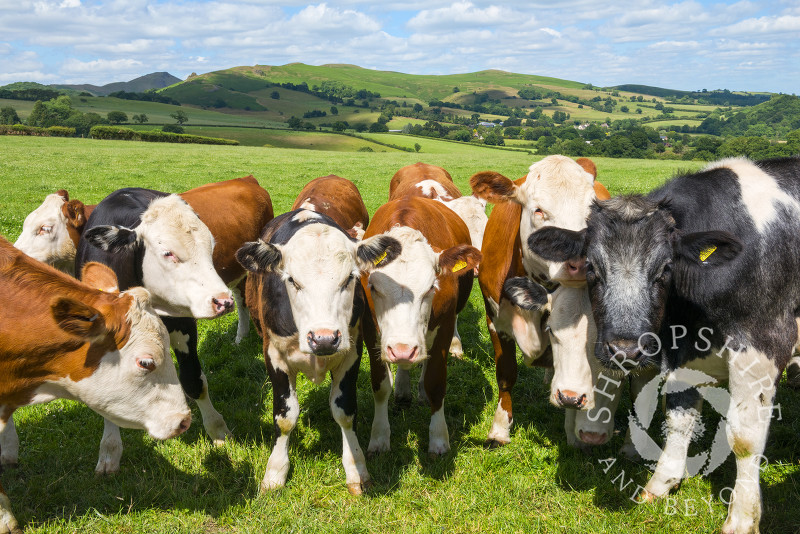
693 44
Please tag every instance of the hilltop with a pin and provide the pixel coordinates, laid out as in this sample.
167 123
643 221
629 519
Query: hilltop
155 80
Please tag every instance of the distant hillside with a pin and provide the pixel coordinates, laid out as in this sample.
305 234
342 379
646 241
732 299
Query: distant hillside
155 80
721 97
771 119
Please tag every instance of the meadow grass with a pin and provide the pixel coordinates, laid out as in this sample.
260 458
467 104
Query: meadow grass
186 485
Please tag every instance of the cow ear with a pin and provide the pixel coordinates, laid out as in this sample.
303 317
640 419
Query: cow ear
111 238
557 244
712 248
525 293
459 260
74 212
494 187
100 277
63 194
77 318
377 251
588 166
258 256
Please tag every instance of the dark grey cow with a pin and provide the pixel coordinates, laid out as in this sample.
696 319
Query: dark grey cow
697 277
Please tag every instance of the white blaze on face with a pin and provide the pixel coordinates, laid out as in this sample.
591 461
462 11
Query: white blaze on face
320 271
402 293
557 192
177 267
137 386
45 237
472 211
572 336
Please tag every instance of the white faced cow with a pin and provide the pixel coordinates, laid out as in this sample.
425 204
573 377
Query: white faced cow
106 349
556 191
156 240
306 302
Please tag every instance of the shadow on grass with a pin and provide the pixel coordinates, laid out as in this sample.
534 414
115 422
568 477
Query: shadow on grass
55 479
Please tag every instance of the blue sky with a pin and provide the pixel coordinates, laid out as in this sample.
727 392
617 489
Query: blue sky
685 45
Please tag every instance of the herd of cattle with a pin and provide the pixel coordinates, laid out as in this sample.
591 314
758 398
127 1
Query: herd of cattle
584 284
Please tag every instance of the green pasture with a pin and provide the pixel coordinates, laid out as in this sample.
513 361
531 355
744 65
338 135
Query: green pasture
186 485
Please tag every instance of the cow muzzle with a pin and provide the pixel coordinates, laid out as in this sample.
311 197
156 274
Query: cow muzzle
625 353
570 399
222 304
324 342
402 353
593 438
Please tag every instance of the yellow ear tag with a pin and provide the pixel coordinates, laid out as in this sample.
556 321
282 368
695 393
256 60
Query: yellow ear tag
380 258
460 264
706 252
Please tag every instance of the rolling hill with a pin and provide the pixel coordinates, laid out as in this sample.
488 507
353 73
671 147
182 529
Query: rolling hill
155 80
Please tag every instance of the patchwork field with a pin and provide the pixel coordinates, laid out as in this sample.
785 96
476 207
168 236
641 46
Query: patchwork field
535 484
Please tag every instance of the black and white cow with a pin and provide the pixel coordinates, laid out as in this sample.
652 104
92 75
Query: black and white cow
700 274
305 299
156 240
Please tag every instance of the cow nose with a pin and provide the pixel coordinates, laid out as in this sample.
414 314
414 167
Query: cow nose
185 424
593 438
400 352
576 267
222 304
570 399
624 352
324 342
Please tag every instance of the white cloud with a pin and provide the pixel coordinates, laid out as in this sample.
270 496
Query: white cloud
462 15
74 66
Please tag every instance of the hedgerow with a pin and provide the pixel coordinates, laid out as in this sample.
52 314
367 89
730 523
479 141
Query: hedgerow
154 136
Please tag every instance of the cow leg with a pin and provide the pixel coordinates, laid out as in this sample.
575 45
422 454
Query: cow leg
752 380
456 348
285 412
110 450
9 443
793 373
402 387
637 382
183 340
8 522
505 361
343 407
381 378
243 326
435 376
683 414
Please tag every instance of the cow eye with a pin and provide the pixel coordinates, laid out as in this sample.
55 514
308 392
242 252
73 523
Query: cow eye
46 229
666 273
295 284
347 282
148 364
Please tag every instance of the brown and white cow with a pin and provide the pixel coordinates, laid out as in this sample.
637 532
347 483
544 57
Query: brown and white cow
413 303
557 190
339 199
307 305
61 338
430 181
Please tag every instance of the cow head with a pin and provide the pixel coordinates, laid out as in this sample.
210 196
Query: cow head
633 250
557 192
405 292
134 384
472 211
49 233
177 266
319 267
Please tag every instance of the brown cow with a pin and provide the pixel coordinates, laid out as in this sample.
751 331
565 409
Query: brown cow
61 338
413 304
556 189
339 199
430 181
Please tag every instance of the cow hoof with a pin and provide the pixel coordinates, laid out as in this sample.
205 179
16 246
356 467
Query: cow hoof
492 443
374 449
9 463
359 488
740 526
402 402
106 468
267 487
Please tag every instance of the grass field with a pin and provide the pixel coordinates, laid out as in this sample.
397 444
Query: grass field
534 484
